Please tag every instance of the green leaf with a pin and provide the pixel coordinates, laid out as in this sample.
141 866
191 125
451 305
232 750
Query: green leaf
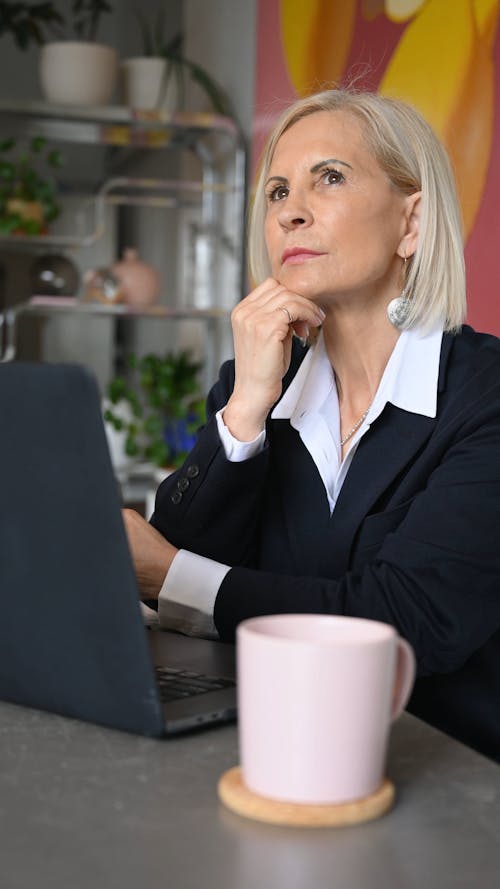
147 35
153 425
51 210
179 459
131 446
31 226
37 143
117 389
158 453
215 93
111 418
7 171
173 49
116 422
55 159
135 405
9 223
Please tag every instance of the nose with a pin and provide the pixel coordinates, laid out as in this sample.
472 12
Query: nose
295 212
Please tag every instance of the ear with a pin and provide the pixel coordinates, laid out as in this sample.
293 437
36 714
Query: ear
412 209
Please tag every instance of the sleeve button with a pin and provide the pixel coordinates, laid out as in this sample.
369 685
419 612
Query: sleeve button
193 470
176 497
183 484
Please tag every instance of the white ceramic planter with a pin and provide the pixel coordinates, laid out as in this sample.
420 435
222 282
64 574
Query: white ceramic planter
122 463
142 81
78 73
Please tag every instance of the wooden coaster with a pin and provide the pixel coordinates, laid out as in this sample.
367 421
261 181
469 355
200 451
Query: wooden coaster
237 797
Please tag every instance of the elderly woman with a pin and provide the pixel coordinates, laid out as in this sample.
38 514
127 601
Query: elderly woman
350 463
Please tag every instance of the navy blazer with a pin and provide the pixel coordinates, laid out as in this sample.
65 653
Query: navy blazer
413 541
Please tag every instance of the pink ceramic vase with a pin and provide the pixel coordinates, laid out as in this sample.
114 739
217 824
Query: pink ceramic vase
139 282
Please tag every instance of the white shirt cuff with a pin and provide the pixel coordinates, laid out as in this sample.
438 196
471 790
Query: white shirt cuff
238 451
187 597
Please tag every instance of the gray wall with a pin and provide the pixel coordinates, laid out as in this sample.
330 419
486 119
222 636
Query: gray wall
220 34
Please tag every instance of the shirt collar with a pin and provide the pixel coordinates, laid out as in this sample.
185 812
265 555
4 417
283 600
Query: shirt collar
409 381
310 386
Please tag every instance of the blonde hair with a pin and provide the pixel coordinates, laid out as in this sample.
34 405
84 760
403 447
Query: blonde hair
414 159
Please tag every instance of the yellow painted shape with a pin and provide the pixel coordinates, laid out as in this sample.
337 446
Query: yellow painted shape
485 13
431 60
316 36
443 66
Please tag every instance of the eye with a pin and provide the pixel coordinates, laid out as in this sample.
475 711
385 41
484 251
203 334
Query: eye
278 193
330 176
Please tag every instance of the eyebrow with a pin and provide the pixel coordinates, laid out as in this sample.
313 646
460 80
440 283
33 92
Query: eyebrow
331 160
315 169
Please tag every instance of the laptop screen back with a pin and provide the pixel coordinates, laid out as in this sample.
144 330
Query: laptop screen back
71 636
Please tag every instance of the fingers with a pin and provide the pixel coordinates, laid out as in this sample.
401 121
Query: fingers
290 308
287 313
301 328
264 291
263 326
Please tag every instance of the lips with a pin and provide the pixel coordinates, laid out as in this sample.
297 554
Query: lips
295 255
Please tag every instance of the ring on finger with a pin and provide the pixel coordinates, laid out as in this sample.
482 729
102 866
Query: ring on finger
287 313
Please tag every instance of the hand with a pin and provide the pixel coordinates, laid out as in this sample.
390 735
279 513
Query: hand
263 326
151 554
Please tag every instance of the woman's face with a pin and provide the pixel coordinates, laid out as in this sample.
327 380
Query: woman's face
334 221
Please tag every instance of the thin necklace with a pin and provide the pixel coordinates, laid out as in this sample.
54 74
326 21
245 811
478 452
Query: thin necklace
355 428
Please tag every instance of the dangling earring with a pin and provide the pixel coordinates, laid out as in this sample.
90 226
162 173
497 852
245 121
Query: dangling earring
399 308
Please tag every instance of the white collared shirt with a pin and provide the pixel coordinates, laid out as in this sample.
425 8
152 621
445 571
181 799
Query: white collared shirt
311 404
311 401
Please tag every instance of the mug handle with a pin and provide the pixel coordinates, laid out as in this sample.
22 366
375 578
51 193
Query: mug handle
404 678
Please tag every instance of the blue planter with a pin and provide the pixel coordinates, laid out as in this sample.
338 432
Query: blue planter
178 436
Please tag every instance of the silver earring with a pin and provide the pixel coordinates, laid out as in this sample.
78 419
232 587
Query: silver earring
399 308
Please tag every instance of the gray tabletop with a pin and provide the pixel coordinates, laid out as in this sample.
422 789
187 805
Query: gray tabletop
83 806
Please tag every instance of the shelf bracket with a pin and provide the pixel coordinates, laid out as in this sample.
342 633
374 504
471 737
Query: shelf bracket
7 336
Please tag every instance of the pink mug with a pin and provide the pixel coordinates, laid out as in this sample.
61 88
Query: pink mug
316 697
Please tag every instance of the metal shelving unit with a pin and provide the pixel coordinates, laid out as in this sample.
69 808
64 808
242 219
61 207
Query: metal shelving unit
207 189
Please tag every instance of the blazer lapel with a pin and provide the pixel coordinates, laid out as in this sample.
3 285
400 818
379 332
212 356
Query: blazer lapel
382 455
303 499
322 544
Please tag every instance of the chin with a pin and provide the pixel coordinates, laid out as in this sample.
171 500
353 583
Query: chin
295 279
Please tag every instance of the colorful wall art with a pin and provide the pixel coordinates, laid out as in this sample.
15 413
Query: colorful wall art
443 56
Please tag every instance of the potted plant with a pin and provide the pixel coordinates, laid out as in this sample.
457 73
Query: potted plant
157 79
28 202
74 68
158 409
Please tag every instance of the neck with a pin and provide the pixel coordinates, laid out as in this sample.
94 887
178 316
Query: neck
359 346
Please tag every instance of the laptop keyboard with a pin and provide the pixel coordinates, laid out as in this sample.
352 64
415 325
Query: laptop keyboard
177 683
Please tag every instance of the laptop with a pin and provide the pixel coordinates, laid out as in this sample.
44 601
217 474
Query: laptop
72 635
